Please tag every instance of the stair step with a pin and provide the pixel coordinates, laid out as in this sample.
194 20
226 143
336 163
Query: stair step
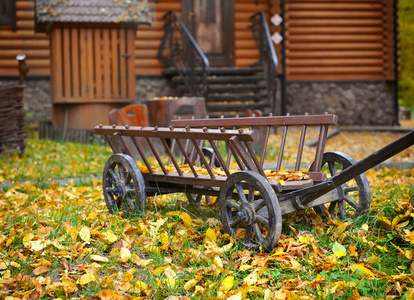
235 71
235 79
234 97
241 107
228 88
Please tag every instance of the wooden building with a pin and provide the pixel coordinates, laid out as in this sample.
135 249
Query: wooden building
337 56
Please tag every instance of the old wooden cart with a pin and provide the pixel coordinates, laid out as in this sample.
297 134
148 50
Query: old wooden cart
251 203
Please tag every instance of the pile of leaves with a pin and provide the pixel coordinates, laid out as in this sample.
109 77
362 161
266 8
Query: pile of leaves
59 241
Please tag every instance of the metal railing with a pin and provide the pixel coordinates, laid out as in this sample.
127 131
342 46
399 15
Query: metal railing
179 50
268 59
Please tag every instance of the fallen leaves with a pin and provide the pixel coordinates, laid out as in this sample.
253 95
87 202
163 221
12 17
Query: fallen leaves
61 242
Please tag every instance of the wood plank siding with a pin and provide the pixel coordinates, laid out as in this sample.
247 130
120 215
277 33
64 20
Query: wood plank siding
337 39
325 39
92 63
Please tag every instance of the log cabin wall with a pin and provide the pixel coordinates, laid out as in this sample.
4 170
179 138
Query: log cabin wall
325 40
361 54
341 40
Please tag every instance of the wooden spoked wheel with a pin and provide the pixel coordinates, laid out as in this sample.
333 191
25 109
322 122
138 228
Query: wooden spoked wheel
250 211
354 197
123 186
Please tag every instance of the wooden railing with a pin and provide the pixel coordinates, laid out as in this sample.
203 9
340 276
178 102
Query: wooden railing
179 49
268 58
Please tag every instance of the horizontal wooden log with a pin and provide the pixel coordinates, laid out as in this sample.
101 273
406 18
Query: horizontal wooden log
243 35
350 6
145 53
149 71
249 7
150 35
147 62
296 30
325 62
341 76
25 14
334 38
245 62
334 46
247 53
334 53
333 14
21 34
245 44
334 70
332 22
13 71
146 44
30 53
10 63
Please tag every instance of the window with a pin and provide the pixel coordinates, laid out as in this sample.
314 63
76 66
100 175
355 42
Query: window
8 13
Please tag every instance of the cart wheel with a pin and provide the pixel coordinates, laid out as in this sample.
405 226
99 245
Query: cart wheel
354 196
123 185
247 201
196 199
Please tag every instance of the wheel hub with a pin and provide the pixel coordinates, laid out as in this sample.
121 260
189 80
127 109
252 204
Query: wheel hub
247 214
119 189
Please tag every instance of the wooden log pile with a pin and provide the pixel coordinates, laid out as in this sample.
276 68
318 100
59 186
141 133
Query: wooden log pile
12 126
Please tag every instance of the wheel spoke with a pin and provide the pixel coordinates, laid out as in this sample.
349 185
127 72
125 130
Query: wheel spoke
235 223
332 168
262 220
351 202
332 206
259 204
240 192
230 203
130 190
258 233
251 193
113 174
248 234
342 210
128 178
350 189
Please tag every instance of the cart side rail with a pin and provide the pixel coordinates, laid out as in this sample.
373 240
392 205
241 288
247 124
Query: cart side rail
269 123
184 146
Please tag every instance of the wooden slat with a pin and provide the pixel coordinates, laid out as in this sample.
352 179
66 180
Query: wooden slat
56 38
335 62
333 46
349 6
89 47
98 63
83 63
334 38
130 64
67 79
122 64
334 53
75 62
106 63
115 62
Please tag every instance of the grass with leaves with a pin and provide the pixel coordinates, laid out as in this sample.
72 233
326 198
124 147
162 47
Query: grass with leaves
59 241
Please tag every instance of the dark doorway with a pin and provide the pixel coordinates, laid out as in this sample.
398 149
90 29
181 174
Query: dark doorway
211 22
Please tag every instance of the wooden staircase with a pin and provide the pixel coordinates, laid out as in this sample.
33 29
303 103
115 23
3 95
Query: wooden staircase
230 91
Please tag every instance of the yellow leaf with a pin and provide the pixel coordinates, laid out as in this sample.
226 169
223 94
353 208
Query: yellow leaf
109 295
99 258
159 270
170 282
28 237
125 254
252 278
191 283
245 267
238 296
85 234
409 254
361 268
211 235
40 270
169 273
110 237
226 284
352 250
86 278
382 248
186 219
